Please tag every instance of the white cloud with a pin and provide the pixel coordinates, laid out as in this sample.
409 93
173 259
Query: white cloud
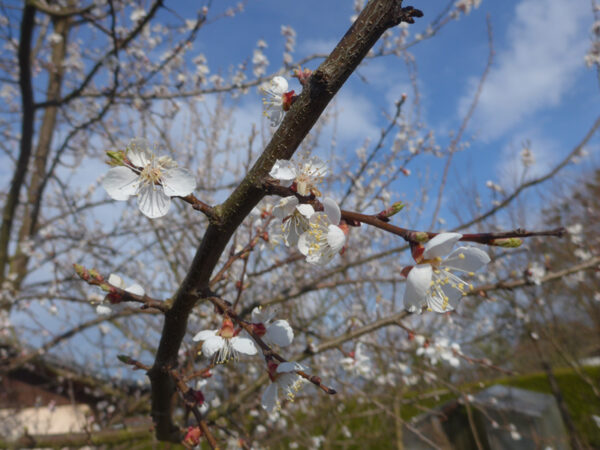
546 43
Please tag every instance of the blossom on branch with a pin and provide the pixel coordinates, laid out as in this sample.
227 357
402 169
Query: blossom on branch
283 376
324 238
225 343
304 175
278 332
154 180
440 350
431 284
358 363
118 282
295 219
277 100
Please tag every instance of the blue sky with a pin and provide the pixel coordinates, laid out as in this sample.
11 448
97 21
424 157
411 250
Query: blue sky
539 88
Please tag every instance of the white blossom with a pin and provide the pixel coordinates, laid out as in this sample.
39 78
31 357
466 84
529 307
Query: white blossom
117 281
535 273
275 99
283 377
224 343
294 219
466 5
431 284
358 363
527 157
324 239
278 332
440 350
306 174
153 180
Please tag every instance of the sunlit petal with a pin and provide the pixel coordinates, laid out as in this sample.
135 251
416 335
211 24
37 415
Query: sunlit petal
120 182
417 285
153 202
440 245
178 182
467 259
280 333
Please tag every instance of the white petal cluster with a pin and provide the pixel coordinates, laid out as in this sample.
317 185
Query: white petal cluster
466 5
283 377
294 219
278 332
535 273
118 282
224 344
440 350
324 238
358 364
273 99
306 174
154 180
431 283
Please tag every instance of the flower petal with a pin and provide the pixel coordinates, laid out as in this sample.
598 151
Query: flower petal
178 182
336 238
440 245
153 202
284 171
417 285
280 333
103 310
276 117
279 85
204 335
285 207
467 259
138 152
332 210
244 345
212 345
120 182
306 210
304 244
136 289
453 294
116 281
269 397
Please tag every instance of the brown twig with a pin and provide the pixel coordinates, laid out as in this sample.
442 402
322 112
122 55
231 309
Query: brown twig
204 208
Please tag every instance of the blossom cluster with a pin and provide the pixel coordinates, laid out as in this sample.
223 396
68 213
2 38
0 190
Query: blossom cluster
317 234
430 283
153 180
313 224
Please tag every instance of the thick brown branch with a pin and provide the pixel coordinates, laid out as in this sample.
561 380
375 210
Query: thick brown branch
373 21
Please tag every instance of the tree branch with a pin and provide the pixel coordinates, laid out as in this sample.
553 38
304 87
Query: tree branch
374 20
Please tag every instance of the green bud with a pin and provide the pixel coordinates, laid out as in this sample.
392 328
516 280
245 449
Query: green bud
116 158
396 208
421 236
124 359
95 274
507 242
106 287
81 271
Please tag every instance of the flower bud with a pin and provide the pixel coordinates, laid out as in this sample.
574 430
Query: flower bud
81 271
507 242
420 236
124 359
117 158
